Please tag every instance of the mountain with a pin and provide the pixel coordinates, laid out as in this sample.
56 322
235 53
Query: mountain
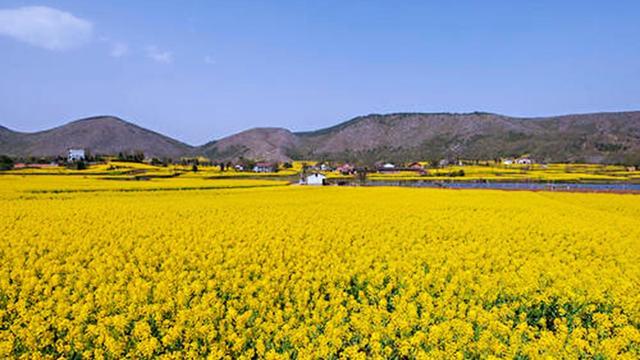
258 143
100 135
598 137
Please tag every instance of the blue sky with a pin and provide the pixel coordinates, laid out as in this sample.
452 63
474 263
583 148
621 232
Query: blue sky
200 70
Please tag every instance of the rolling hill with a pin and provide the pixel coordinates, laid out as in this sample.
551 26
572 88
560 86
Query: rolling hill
258 143
100 135
598 137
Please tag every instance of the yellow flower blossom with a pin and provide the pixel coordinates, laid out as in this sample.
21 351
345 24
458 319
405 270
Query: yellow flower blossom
230 269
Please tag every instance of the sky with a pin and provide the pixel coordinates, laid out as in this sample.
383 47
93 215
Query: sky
202 70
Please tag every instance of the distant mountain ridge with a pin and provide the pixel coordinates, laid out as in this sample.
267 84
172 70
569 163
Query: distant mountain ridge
597 137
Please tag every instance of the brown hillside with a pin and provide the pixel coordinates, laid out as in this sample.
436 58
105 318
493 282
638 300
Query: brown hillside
99 135
260 144
600 137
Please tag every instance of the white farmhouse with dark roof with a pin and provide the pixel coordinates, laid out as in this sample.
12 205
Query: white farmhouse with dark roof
76 155
315 179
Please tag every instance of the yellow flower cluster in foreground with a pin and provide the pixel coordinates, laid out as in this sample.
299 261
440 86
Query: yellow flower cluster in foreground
327 273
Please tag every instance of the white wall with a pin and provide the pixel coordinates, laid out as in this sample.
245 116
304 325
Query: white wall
315 179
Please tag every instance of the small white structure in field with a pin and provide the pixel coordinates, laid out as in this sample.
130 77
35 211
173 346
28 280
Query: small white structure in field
325 167
524 161
507 161
264 167
315 179
76 155
388 166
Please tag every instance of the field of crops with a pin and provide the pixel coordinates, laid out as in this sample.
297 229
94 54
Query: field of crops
484 171
536 173
231 268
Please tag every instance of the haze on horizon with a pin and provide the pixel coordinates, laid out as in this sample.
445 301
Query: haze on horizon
198 71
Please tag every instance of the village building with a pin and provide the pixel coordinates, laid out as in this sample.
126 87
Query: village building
345 169
524 161
417 167
34 166
325 167
264 167
387 168
76 155
315 179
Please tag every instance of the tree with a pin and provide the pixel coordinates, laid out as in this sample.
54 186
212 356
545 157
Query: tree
77 165
6 163
247 164
137 156
361 175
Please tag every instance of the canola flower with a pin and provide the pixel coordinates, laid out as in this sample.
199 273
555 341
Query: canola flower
128 170
300 272
485 170
21 186
536 172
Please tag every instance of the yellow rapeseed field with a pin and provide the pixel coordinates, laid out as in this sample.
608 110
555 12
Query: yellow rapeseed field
300 272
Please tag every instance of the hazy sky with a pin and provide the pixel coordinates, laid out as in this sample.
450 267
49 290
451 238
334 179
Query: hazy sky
199 70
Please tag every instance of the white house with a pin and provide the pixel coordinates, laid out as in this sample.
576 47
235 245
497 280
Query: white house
388 166
264 167
524 161
315 179
76 155
507 161
325 167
